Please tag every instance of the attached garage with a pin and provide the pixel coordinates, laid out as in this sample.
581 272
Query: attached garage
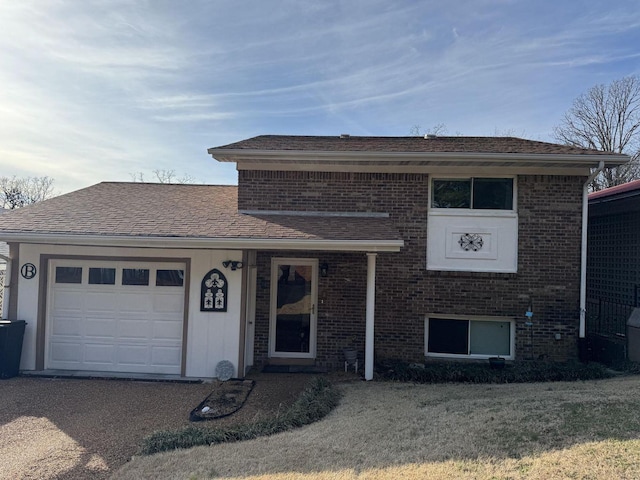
115 316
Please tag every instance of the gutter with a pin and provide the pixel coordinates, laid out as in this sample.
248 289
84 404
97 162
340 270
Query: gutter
235 155
6 295
583 252
199 243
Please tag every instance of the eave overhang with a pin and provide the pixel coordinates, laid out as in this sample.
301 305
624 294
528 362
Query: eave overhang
209 243
322 160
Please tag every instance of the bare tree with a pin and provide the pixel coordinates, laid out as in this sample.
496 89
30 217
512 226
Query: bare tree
438 129
508 132
163 176
607 118
16 192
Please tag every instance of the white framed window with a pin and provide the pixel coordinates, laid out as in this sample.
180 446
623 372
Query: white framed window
472 224
451 336
473 193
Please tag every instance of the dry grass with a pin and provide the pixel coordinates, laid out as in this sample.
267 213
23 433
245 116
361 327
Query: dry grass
383 431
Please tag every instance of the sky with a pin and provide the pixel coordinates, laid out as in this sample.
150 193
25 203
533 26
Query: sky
96 91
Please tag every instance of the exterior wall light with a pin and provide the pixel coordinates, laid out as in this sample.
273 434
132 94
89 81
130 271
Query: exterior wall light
324 269
234 264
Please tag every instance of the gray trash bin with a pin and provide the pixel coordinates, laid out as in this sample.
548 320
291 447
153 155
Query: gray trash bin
633 335
11 335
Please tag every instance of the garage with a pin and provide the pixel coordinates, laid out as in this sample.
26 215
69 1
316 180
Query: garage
115 316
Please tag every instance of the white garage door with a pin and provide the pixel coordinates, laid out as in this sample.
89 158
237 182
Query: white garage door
115 316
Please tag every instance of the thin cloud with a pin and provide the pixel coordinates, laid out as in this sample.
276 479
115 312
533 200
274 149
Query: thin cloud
96 90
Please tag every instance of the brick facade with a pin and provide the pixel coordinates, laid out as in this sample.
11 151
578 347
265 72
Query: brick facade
549 233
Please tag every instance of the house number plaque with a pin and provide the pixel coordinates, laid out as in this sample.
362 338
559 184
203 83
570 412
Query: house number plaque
28 271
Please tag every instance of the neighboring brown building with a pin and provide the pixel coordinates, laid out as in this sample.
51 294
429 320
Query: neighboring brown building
402 247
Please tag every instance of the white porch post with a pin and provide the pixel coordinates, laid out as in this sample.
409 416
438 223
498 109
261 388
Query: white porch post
370 316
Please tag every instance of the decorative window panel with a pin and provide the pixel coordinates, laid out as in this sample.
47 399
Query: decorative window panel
479 242
472 243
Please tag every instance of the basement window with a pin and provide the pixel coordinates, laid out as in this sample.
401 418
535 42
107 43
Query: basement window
470 338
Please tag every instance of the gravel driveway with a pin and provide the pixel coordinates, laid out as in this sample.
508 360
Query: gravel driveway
79 428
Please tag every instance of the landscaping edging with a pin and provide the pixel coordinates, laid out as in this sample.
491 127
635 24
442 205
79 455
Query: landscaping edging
315 402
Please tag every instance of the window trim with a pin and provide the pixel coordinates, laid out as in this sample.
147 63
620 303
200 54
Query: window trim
470 318
474 211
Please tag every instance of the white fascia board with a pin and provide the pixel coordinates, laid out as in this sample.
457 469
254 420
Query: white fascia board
577 170
217 243
393 157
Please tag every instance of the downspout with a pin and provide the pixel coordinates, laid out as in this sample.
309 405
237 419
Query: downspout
4 314
583 253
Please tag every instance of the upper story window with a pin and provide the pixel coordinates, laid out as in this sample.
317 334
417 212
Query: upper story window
473 193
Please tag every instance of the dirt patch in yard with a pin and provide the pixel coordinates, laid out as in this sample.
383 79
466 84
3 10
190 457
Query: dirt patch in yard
78 428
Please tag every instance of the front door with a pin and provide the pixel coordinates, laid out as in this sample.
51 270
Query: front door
293 307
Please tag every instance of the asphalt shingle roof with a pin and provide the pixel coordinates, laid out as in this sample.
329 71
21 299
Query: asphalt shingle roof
498 145
186 211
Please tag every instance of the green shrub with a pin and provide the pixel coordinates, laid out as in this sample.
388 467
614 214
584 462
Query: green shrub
315 402
627 366
467 372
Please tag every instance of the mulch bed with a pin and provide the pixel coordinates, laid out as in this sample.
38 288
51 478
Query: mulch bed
226 398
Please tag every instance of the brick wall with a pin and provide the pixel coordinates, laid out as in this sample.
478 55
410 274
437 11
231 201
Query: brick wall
549 209
340 309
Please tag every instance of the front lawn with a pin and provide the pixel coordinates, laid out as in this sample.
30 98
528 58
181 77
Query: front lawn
389 430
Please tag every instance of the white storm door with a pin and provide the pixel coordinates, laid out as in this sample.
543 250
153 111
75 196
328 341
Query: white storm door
294 292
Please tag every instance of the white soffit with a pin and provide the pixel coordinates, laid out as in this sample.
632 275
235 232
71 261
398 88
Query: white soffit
325 161
215 243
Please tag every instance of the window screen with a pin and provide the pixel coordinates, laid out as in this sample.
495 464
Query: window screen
490 338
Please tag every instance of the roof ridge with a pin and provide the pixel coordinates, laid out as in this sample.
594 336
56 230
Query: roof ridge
160 183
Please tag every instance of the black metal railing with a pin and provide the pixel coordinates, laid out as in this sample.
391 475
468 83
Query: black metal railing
607 318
